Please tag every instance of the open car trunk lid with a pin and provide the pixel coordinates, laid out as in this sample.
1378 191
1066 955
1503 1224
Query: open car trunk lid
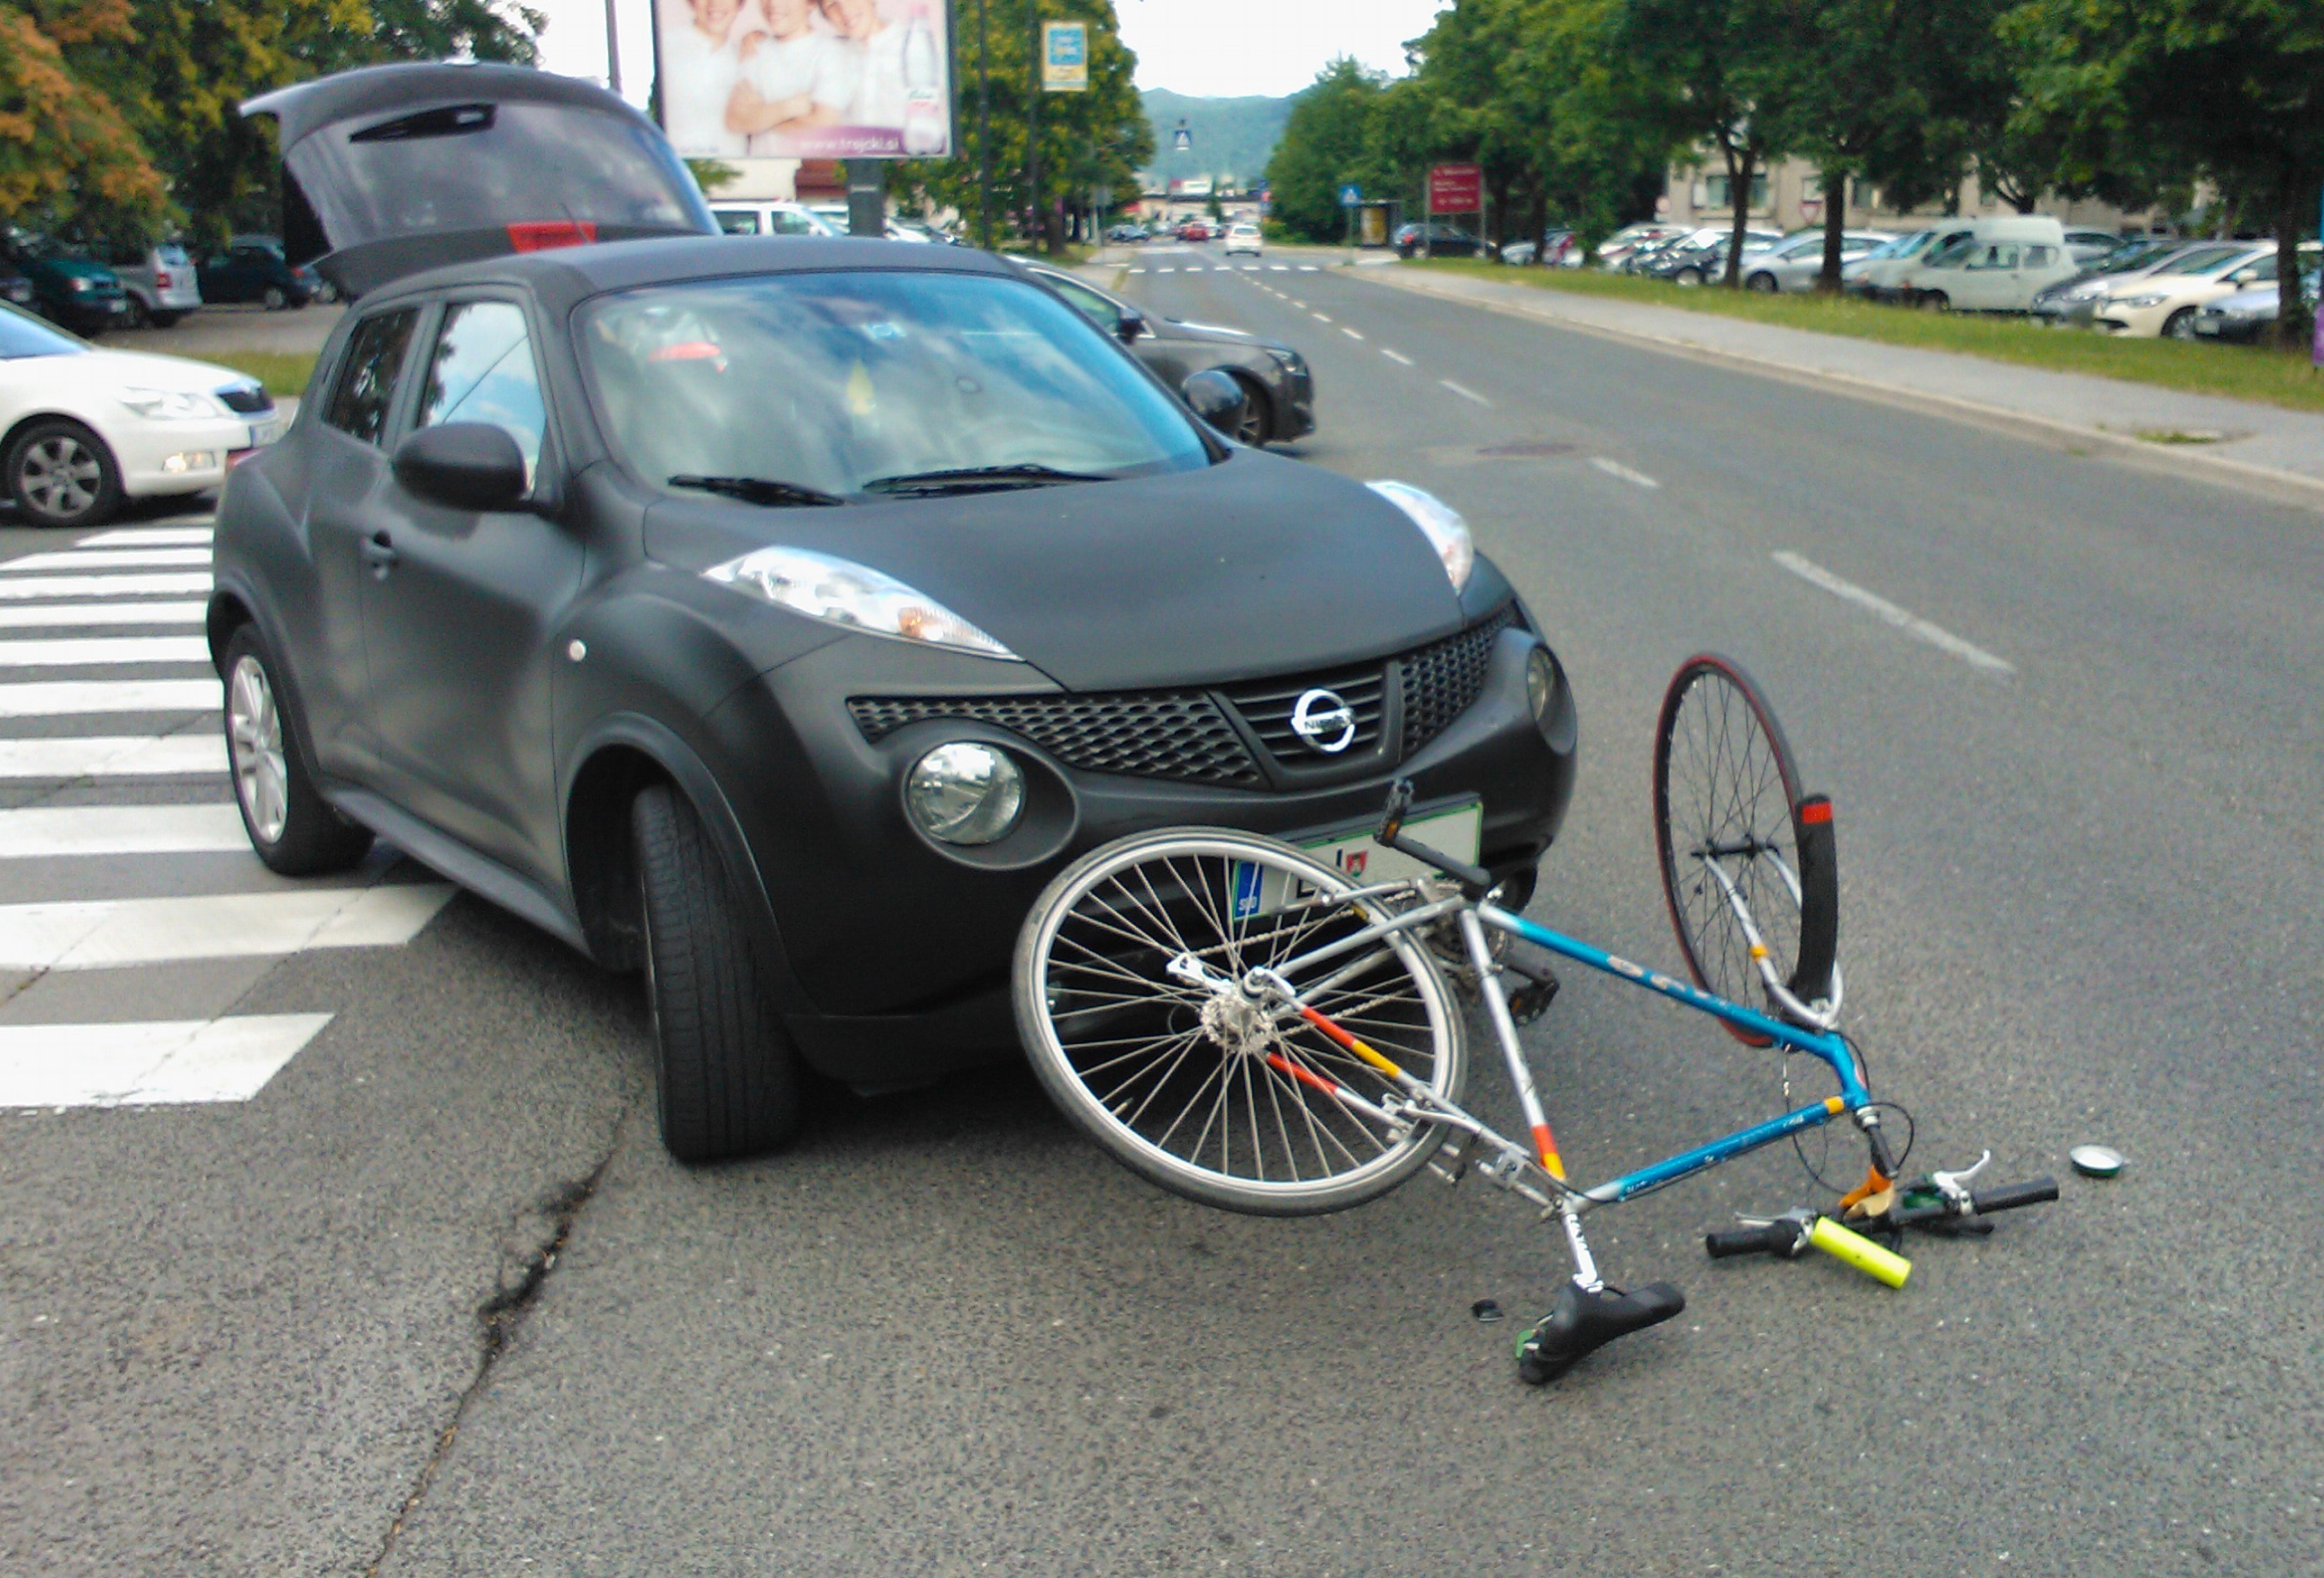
391 170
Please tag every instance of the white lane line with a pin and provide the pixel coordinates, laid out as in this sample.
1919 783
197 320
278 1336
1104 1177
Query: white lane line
1250 268
1616 468
150 1063
52 698
114 756
149 537
1935 635
1278 268
108 558
1306 268
109 933
29 586
1138 271
115 649
1296 302
1398 357
1464 393
1319 318
47 832
1170 270
53 615
1351 333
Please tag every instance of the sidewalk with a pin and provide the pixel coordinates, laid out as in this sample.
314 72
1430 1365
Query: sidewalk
2262 448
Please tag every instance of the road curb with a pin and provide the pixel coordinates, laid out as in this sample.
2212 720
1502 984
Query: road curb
2269 482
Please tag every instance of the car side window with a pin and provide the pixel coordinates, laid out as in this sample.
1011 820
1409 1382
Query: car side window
360 401
482 371
2038 258
1088 302
737 221
1996 256
787 224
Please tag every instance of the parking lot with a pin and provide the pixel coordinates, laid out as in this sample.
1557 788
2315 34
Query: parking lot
334 1236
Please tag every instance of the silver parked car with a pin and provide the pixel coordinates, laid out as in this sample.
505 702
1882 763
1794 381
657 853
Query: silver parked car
159 281
1795 262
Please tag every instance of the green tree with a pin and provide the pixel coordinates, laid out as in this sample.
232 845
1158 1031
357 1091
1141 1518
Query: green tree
68 159
1328 141
2234 88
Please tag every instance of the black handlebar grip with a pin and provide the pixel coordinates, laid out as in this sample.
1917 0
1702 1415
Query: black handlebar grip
1775 1238
2010 1197
1819 853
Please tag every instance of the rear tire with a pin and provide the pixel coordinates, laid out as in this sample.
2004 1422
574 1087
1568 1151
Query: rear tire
133 311
274 299
729 1077
1173 1081
1726 790
1933 301
293 828
1762 283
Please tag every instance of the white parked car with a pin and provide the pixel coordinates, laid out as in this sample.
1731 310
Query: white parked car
2166 302
1796 263
2000 265
774 218
89 426
1244 238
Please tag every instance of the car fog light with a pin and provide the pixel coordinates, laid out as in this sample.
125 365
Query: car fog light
965 793
192 460
1541 686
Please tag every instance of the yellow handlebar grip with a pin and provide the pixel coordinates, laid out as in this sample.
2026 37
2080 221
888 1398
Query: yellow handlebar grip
1859 1252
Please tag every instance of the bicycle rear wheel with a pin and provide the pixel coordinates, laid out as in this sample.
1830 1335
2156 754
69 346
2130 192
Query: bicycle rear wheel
1726 792
1187 1086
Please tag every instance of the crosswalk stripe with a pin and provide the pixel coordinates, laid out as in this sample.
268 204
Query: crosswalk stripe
119 649
149 537
60 615
109 933
151 1062
31 587
114 756
105 559
51 699
43 832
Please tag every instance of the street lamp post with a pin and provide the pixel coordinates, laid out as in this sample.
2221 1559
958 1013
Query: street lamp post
613 50
983 134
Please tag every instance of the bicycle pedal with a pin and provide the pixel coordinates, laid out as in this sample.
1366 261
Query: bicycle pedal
1530 1001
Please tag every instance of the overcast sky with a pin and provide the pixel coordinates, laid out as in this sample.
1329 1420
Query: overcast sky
1209 48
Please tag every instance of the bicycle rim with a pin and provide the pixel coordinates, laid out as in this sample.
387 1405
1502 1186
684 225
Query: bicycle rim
1176 1081
1724 788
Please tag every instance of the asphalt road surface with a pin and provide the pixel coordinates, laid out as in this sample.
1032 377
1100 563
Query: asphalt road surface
276 1288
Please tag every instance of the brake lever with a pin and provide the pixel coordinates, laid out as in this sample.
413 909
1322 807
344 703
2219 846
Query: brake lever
1954 1186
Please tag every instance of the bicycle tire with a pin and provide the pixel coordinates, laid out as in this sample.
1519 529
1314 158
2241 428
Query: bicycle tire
1725 779
1128 1053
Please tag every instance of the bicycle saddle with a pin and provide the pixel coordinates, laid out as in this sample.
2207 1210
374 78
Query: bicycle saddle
1582 1322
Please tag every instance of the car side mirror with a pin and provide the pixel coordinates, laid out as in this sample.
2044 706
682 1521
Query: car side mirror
1130 325
463 465
1217 399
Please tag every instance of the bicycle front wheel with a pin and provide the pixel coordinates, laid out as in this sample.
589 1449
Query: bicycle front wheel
1727 797
1187 1083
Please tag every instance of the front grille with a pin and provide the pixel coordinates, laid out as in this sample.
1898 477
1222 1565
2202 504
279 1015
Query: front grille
248 401
1174 734
1268 705
1442 681
1188 735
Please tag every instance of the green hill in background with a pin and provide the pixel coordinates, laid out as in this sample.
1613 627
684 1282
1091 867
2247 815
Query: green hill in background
1232 136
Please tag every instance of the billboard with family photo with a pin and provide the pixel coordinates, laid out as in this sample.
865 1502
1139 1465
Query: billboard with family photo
805 78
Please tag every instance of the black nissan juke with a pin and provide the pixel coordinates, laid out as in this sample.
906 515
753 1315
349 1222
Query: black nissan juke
779 615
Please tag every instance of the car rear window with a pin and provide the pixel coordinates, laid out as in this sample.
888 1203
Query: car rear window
360 401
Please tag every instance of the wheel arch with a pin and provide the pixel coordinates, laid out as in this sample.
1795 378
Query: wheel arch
56 413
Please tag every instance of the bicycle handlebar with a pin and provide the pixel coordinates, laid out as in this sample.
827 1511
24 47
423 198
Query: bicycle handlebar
1780 1237
1981 1203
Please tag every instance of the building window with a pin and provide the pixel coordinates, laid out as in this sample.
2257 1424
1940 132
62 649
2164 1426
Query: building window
1718 192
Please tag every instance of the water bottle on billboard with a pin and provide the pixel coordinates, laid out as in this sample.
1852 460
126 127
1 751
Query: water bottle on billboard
924 112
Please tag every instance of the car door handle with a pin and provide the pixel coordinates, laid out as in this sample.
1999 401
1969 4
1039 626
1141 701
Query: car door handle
379 553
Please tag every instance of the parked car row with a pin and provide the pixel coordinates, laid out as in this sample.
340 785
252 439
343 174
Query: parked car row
153 286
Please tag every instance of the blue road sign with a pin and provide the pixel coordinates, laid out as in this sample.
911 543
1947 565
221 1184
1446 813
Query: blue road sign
1182 140
1350 195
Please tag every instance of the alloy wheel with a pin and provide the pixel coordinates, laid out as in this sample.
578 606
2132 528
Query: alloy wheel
60 475
260 770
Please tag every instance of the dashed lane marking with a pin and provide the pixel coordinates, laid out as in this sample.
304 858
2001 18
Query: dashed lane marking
114 756
118 648
1911 623
1463 392
1398 357
1278 268
109 933
62 616
1306 268
1616 468
151 1062
47 832
51 699
1351 333
1319 318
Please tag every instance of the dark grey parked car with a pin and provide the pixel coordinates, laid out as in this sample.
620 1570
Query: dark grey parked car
1276 383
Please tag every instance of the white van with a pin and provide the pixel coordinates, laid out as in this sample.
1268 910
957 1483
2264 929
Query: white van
1990 265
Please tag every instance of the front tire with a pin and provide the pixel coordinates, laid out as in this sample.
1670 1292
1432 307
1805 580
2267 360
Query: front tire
2180 325
729 1077
1183 1084
273 299
133 312
1258 424
291 827
61 474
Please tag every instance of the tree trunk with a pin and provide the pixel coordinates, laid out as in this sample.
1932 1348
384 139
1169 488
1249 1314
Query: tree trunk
1739 163
2294 319
1835 220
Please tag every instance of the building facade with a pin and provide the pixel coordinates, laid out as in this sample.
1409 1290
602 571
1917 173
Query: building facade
1790 197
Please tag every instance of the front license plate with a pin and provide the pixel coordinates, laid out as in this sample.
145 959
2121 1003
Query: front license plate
264 433
2202 326
1458 831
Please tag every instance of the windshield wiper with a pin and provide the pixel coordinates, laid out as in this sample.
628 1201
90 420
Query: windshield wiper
967 479
757 490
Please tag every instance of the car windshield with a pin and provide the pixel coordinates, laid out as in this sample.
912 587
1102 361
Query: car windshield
2202 261
833 381
23 335
1951 252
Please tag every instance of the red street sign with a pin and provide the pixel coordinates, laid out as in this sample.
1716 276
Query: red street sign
1455 188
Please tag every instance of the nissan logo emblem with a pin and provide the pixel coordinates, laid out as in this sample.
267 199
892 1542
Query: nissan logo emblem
1326 723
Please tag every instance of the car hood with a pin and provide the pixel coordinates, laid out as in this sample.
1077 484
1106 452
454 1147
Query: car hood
1209 334
140 370
1256 566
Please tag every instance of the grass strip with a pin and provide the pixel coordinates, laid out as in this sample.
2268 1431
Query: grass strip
283 373
2261 373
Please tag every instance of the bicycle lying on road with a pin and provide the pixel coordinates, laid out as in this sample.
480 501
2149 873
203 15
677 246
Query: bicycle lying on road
1251 1028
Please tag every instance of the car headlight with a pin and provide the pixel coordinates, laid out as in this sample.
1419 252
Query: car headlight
78 283
1289 360
965 793
170 405
1439 522
2141 301
825 587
